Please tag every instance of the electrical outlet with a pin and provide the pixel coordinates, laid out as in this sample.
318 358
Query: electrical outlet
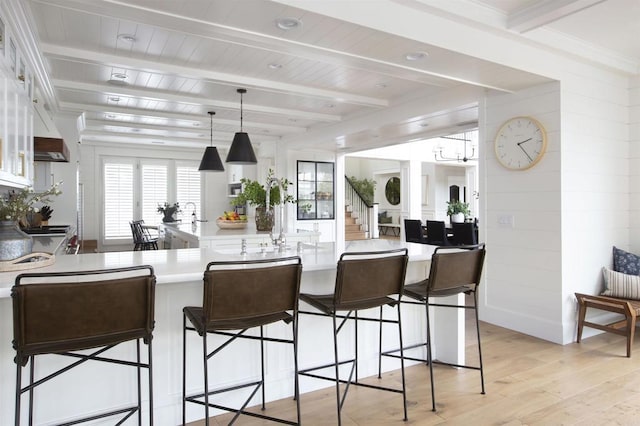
505 221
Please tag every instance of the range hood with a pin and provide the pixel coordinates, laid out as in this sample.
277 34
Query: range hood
50 149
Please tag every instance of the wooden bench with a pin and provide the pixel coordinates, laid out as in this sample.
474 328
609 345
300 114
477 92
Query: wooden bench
630 309
384 229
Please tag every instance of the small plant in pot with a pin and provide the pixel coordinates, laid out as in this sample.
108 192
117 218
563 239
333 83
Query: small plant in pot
457 210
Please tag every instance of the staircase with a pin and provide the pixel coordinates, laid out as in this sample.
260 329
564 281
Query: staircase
352 230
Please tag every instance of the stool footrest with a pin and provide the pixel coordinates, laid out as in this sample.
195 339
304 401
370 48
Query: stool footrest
194 399
306 372
128 410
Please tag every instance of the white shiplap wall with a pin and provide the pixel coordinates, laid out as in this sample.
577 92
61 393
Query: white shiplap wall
568 211
524 267
634 165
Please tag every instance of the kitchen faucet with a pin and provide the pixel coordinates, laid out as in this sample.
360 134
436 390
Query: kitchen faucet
194 218
280 242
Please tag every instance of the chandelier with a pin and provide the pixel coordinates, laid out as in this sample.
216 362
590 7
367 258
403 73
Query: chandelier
462 156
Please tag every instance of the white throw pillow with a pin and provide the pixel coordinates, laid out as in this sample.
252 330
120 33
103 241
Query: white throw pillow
617 284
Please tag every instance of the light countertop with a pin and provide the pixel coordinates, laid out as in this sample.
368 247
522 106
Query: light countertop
209 230
188 265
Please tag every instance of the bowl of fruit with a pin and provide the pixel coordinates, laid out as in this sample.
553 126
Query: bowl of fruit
231 220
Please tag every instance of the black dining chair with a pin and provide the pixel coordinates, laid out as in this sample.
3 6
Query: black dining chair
464 233
437 233
413 231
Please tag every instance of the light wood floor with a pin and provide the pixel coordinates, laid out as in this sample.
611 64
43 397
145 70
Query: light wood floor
528 382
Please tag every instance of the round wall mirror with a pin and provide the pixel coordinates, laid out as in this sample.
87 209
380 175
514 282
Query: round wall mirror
392 191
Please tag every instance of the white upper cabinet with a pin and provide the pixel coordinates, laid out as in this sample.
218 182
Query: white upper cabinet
16 112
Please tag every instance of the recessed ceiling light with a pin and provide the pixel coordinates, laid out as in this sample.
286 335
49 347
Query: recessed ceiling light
158 142
114 99
135 130
127 37
416 56
381 85
119 75
287 24
110 116
274 66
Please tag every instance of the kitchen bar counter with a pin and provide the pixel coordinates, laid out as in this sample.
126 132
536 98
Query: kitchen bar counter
208 235
179 283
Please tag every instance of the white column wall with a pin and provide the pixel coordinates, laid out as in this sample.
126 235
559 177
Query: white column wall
595 184
634 165
523 271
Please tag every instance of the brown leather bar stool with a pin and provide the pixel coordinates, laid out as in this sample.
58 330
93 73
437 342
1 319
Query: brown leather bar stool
364 280
268 290
454 270
66 312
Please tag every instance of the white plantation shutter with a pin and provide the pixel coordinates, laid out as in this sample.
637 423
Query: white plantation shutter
118 199
188 189
154 192
133 188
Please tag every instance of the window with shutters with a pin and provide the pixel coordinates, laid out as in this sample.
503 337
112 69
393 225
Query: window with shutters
134 187
118 198
188 189
154 191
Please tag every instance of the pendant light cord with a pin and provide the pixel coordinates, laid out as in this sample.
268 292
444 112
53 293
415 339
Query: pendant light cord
241 111
211 114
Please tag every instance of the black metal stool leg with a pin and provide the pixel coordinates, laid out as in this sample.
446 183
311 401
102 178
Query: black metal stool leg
32 367
429 360
139 380
296 385
380 346
150 358
335 356
475 308
18 393
206 378
262 364
184 369
356 346
404 387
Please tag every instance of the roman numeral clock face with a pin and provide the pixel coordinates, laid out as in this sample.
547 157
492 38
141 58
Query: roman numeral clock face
520 143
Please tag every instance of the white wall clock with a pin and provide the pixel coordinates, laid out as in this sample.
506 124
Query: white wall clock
520 143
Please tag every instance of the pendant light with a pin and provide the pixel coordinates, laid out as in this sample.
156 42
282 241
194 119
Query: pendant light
211 161
241 151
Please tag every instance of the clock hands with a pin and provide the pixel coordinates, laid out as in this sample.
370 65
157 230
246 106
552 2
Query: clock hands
523 150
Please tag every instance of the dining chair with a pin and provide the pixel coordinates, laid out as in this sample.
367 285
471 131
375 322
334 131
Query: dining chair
142 238
464 233
437 233
413 231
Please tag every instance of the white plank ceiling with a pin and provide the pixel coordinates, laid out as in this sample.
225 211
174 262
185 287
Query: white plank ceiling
144 71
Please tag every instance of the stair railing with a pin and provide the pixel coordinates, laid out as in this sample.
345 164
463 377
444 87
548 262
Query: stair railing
365 213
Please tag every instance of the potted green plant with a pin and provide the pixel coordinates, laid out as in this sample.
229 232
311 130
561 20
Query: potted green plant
254 193
457 210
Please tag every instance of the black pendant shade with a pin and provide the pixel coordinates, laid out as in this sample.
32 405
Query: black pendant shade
211 161
241 151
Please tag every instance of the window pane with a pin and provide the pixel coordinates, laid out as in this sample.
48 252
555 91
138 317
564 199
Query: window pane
188 189
118 200
154 192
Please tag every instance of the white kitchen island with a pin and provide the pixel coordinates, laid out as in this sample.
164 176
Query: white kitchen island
209 235
92 387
